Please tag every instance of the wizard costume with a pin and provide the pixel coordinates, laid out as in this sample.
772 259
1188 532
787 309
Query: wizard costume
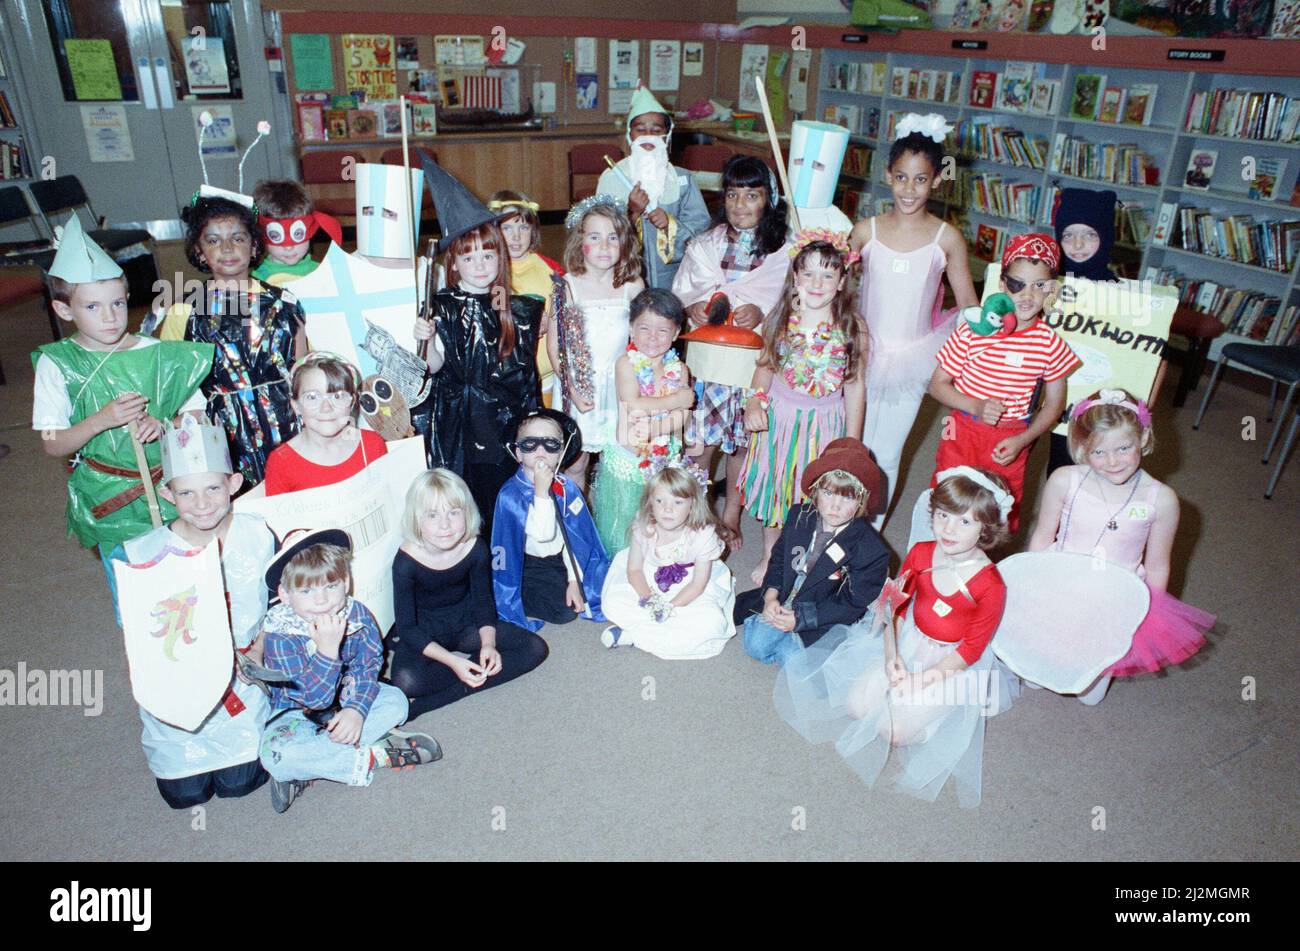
516 575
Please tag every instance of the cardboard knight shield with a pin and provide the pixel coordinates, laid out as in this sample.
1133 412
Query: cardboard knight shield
1066 650
177 630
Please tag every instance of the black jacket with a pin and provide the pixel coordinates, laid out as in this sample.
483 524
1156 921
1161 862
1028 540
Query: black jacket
841 585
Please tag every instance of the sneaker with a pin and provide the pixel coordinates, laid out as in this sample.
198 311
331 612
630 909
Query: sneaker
610 636
408 750
284 792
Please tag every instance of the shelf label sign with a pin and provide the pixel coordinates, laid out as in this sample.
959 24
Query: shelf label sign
1199 56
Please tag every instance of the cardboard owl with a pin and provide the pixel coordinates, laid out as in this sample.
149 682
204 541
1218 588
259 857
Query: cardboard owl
385 409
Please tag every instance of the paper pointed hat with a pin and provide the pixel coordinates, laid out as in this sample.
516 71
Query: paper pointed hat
193 448
80 260
458 210
643 101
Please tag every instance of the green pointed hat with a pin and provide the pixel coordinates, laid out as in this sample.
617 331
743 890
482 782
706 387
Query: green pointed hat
80 260
643 101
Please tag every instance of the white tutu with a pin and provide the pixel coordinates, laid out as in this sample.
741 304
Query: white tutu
837 690
897 371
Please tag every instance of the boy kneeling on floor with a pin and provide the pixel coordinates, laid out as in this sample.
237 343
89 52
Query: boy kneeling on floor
331 718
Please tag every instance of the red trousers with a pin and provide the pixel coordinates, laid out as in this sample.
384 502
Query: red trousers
971 444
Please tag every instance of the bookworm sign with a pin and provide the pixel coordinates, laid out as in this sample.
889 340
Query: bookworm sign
1118 329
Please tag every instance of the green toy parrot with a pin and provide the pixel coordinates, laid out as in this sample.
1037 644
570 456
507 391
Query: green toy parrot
997 315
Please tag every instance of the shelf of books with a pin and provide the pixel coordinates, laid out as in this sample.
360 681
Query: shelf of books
15 164
1203 164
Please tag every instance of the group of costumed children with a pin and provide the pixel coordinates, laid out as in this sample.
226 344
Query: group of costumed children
537 369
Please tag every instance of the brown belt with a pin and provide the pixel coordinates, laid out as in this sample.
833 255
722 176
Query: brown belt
126 496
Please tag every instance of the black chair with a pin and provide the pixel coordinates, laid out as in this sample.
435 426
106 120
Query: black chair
65 194
15 284
1281 365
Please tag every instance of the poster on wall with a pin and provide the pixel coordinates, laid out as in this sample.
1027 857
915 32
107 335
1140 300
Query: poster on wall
693 59
220 142
624 63
586 91
93 69
368 65
753 64
797 89
108 137
1118 329
205 66
584 54
313 65
457 50
665 65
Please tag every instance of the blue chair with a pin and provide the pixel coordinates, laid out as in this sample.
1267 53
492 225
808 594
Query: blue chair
1281 365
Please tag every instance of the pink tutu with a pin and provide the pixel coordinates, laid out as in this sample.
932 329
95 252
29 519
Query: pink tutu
1170 633
897 370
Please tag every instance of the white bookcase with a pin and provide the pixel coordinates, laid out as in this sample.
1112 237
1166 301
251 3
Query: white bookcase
1164 139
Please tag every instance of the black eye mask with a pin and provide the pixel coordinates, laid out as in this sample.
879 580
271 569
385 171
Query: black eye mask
532 443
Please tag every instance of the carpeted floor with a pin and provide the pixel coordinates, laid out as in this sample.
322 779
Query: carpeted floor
619 755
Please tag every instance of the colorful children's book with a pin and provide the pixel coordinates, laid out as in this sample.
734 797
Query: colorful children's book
1112 104
336 123
363 124
1140 104
1269 173
1165 223
1085 97
925 88
1200 168
898 82
311 121
983 85
986 242
1044 96
1017 87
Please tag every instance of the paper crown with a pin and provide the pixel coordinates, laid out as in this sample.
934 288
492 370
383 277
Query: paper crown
458 210
643 101
80 260
384 225
193 448
816 154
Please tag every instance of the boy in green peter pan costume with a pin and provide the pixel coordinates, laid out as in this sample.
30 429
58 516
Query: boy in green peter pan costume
92 386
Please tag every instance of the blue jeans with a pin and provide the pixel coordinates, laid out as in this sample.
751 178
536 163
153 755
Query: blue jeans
764 642
295 748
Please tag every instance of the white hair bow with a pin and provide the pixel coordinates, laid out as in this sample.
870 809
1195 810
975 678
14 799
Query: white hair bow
932 126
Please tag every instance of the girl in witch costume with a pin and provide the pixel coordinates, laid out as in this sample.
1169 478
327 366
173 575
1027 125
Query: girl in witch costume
258 331
553 563
488 341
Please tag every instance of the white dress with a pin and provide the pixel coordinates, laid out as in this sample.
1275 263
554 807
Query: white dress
605 328
694 632
223 740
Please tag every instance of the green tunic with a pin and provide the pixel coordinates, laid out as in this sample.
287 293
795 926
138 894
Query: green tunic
167 374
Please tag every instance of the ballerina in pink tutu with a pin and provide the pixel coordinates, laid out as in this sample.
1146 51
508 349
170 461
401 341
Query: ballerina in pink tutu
1108 507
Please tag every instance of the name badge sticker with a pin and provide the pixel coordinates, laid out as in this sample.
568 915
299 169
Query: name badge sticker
835 551
1138 513
942 608
901 265
575 506
1015 359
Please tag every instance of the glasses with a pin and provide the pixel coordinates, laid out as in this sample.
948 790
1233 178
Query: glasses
533 443
1015 285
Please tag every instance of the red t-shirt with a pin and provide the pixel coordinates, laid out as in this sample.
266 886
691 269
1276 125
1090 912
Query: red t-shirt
951 617
1006 368
287 471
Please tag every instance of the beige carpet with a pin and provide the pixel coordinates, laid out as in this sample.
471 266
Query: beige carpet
573 762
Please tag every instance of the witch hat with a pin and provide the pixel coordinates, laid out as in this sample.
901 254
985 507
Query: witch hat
458 210
79 260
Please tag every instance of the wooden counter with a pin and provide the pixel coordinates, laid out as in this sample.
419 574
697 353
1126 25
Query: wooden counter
533 161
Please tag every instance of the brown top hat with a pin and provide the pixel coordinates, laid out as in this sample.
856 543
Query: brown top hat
851 456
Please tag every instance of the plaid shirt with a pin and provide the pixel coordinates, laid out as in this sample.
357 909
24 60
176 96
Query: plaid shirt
314 677
738 255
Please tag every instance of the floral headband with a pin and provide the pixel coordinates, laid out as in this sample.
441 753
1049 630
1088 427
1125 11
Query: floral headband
657 464
498 204
1000 495
579 211
838 240
932 126
1115 398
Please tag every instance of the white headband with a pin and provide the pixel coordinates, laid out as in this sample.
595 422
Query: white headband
1000 495
933 126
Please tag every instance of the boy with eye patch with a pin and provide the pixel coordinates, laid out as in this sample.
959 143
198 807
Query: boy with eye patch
548 563
288 220
990 381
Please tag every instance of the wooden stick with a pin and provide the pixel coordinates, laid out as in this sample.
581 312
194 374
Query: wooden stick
142 463
422 350
776 151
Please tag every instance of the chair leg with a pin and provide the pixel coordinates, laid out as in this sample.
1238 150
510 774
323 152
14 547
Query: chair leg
1281 460
1277 427
1272 400
1205 400
1186 365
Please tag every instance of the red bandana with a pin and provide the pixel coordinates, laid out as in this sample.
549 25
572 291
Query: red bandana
1043 247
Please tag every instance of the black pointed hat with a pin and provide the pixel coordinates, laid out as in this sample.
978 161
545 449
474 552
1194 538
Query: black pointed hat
457 209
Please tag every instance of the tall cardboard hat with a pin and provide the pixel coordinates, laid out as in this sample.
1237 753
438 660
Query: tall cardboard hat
816 154
643 101
458 210
385 227
193 448
80 260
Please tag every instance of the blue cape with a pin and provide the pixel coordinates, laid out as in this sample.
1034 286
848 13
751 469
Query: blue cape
579 530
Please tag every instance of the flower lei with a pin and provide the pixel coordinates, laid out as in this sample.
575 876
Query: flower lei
814 365
655 452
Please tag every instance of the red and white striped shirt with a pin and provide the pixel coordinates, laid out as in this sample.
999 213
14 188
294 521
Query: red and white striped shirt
1006 368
